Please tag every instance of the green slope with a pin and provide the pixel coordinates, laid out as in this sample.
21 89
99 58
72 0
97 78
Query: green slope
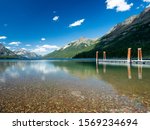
132 33
117 48
73 49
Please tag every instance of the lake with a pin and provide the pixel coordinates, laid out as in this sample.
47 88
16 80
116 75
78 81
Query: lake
73 86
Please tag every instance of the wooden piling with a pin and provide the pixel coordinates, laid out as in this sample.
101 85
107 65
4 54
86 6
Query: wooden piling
129 55
139 54
96 56
104 55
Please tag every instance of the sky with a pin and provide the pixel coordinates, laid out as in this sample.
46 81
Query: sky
43 26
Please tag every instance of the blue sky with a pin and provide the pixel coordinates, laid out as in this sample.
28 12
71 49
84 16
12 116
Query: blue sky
42 26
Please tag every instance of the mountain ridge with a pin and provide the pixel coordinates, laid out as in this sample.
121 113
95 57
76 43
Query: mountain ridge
134 32
133 35
6 53
26 54
18 54
73 48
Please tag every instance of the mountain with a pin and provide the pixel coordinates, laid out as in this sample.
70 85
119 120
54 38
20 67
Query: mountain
73 48
6 53
26 54
22 53
133 33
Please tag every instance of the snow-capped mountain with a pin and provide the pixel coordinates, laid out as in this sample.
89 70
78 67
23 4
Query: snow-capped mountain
73 48
84 42
26 54
6 53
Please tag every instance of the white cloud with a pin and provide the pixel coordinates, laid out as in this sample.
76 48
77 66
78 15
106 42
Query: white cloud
148 6
55 18
141 6
77 23
28 45
15 43
44 49
119 5
8 47
50 46
146 0
43 39
3 37
24 49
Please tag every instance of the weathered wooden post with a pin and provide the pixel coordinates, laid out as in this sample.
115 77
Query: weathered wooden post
129 55
139 54
104 55
96 56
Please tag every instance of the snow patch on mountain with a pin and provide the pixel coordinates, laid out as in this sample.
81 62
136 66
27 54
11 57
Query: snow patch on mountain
26 54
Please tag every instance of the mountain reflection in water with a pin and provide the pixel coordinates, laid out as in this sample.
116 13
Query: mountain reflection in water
73 86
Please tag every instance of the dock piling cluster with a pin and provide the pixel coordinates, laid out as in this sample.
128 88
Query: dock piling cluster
128 61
